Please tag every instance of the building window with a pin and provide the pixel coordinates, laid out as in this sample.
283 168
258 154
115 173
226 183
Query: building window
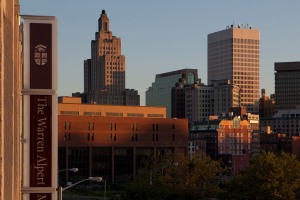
113 114
92 113
135 115
155 115
69 112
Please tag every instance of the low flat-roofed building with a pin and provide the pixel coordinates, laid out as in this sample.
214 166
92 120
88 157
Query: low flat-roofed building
73 106
113 147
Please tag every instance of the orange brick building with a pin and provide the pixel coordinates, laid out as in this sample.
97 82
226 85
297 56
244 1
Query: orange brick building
234 136
114 147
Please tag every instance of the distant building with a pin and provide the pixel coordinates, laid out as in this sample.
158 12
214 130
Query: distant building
284 121
239 111
266 105
204 134
111 141
235 162
185 96
234 136
287 85
275 142
222 137
253 119
296 145
104 72
160 93
234 54
203 101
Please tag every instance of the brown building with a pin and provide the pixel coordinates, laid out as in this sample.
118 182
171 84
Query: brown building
113 146
266 105
296 145
104 72
234 54
284 121
275 142
287 90
10 100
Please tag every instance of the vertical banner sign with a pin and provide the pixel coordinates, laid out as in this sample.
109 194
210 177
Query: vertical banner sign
41 143
39 108
40 56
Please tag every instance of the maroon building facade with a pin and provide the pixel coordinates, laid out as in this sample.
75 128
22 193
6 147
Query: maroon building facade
114 147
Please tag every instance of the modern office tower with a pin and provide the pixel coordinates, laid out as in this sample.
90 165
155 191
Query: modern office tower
198 102
234 54
266 105
104 73
287 85
10 100
160 93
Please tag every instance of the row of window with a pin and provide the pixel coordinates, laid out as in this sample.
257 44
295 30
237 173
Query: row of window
113 126
246 51
113 137
246 55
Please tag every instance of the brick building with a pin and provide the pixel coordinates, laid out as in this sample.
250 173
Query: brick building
111 146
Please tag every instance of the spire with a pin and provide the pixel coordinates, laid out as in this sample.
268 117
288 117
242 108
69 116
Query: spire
103 22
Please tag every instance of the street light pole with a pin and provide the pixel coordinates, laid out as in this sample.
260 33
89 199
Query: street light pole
60 189
71 169
104 189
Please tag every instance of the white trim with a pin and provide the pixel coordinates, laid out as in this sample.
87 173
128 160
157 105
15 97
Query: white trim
26 92
38 189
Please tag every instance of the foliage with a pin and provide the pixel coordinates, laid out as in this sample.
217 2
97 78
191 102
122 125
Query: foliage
176 176
267 177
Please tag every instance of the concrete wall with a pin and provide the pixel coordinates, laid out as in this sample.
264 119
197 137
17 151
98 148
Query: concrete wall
10 101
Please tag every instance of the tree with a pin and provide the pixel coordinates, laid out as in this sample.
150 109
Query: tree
267 177
176 176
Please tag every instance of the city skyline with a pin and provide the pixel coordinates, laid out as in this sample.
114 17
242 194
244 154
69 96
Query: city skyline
168 36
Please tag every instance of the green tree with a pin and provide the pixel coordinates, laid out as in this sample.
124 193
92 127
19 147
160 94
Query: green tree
267 177
176 176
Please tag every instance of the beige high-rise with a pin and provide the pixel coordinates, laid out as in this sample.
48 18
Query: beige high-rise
104 73
234 54
10 101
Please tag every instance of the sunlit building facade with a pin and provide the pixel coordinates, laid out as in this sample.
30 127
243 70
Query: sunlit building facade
104 72
234 54
111 141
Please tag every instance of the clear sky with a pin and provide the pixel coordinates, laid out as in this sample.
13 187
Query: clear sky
164 35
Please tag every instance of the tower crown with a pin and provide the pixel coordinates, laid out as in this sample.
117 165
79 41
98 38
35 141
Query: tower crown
103 22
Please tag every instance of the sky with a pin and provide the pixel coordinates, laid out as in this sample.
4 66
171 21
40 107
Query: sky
159 36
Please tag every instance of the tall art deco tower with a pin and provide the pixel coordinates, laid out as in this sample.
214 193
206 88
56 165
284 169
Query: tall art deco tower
104 73
234 54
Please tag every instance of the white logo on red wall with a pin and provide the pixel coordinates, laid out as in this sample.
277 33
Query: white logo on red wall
40 54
